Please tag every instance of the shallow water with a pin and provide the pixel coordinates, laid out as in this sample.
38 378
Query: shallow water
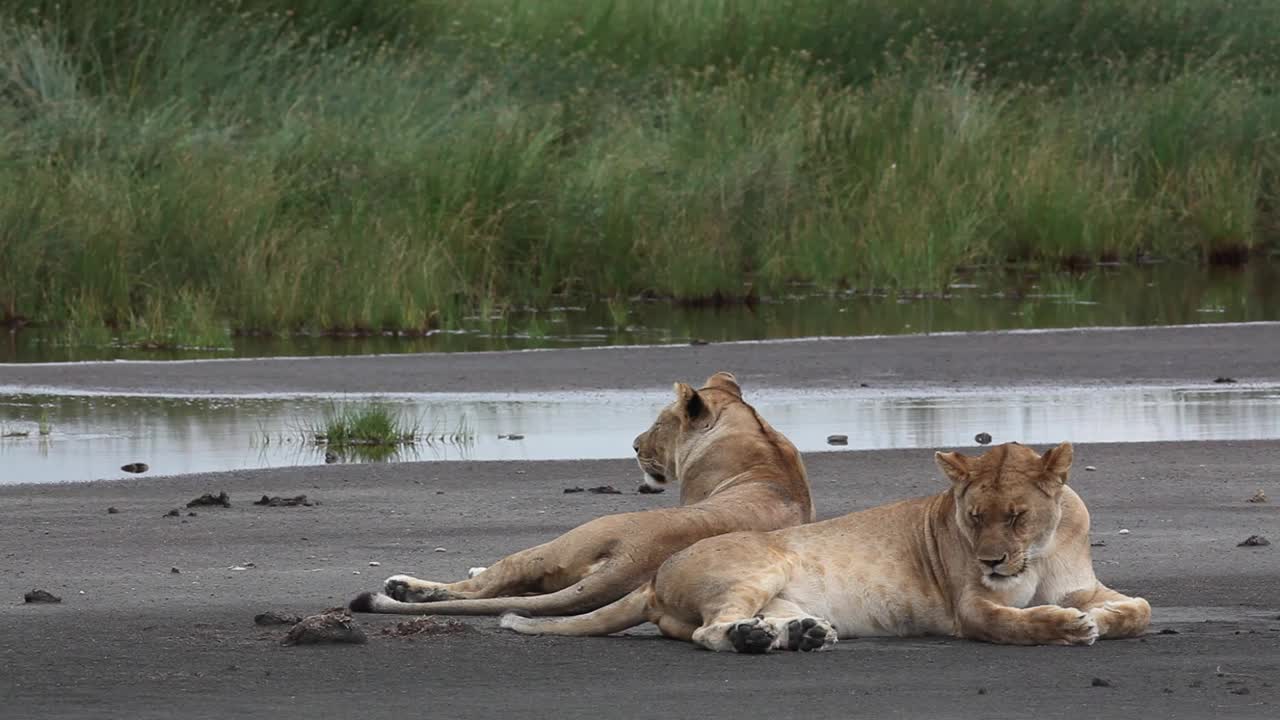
92 436
1163 294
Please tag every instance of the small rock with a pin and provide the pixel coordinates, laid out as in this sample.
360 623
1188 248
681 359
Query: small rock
982 691
574 490
1098 543
863 385
327 627
374 563
137 467
647 489
174 571
207 500
440 549
355 572
277 501
837 439
515 436
1240 691
115 511
1258 497
330 457
173 513
1222 380
41 596
430 625
1099 682
604 490
191 514
982 438
237 568
1254 541
1090 468
1168 631
1124 531
698 341
274 617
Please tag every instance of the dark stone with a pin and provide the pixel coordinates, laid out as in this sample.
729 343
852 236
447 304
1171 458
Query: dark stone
837 439
137 467
574 490
1254 541
982 438
112 511
1099 682
222 499
604 490
41 596
647 489
333 626
173 513
1223 380
277 501
1168 631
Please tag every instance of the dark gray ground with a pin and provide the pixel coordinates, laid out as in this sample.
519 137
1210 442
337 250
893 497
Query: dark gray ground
1142 355
142 642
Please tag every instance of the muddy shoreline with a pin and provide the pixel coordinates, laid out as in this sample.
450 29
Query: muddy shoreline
1160 356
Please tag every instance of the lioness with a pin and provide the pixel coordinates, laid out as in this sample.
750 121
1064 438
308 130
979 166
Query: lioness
735 473
1002 556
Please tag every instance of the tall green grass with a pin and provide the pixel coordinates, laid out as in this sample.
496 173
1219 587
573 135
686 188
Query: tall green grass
176 171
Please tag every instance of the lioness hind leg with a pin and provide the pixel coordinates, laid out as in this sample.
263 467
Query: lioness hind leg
520 573
1117 615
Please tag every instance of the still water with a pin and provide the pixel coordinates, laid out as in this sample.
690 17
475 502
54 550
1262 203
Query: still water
1162 294
90 437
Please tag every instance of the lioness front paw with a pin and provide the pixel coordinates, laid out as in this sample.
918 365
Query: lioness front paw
1076 627
752 636
810 634
412 590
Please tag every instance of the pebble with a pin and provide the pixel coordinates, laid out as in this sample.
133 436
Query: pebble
1254 541
273 617
1090 468
374 563
982 438
1099 682
837 439
112 511
1258 497
137 467
1124 531
41 596
440 549
174 571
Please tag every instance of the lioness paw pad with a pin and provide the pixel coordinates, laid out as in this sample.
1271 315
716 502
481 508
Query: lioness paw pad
751 636
810 634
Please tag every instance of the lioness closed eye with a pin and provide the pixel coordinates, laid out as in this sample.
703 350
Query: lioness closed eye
1001 556
735 473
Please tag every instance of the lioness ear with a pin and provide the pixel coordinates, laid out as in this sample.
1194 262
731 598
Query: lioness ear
689 401
954 465
1057 463
725 381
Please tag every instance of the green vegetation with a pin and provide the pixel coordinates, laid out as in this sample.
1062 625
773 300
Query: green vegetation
178 171
347 426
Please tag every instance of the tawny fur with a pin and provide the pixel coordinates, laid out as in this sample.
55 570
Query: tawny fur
1002 556
735 473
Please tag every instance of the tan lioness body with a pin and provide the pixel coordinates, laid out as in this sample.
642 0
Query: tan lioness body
1002 556
735 473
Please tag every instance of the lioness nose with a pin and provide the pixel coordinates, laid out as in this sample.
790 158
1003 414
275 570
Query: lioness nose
995 563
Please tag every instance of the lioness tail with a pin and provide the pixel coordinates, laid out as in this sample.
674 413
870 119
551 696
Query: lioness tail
619 615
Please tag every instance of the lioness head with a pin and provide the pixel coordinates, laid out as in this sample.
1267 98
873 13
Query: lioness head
1007 504
691 413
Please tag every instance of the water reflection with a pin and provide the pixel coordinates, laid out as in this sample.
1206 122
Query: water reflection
1165 294
93 436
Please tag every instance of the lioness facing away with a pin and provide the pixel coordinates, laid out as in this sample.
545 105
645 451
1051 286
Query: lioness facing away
735 473
1001 556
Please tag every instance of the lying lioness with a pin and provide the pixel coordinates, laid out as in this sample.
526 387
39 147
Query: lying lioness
735 473
1002 556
